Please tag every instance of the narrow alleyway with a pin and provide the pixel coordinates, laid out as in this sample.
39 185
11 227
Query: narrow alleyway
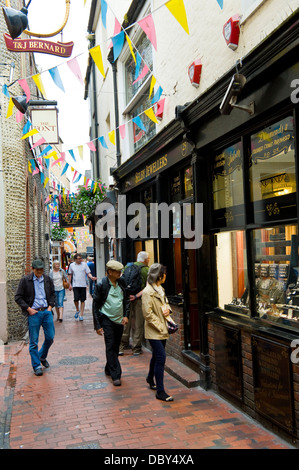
75 406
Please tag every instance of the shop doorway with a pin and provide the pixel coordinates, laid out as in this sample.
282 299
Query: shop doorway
191 312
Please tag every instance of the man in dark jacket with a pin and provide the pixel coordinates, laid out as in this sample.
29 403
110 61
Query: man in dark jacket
111 307
36 297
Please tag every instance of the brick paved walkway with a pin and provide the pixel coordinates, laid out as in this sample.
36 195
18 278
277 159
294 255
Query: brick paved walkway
74 405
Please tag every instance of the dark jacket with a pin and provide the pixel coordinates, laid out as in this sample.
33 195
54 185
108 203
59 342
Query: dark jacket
99 298
25 293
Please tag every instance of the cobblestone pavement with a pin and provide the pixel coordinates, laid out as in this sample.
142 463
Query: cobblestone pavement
75 406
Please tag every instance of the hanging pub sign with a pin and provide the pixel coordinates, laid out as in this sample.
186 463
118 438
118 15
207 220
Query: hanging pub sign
45 121
67 217
38 45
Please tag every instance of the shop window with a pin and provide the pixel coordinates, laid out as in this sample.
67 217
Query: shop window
276 274
188 182
228 198
272 172
232 271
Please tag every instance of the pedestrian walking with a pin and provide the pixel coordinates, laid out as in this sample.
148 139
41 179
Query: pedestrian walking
135 275
36 297
111 308
77 279
91 285
60 280
155 309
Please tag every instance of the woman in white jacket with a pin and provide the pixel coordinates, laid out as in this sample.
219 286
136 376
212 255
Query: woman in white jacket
155 309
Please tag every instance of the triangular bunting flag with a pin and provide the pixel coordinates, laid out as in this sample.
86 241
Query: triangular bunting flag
104 12
157 95
71 152
38 81
78 179
19 116
5 91
46 150
111 136
118 42
65 168
103 142
148 27
38 143
122 131
117 29
10 108
142 75
96 55
150 113
80 149
23 83
56 77
30 133
139 123
138 63
27 127
91 146
75 68
131 48
220 3
177 8
153 83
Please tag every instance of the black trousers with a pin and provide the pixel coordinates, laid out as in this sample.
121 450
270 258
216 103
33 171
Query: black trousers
112 335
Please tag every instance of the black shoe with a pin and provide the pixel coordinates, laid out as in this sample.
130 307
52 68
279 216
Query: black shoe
45 363
163 396
38 371
151 383
107 373
117 382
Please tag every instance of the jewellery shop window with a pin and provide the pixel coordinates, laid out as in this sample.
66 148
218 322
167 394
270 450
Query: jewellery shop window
232 271
276 274
272 172
228 197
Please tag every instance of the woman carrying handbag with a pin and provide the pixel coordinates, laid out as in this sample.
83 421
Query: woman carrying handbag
156 312
60 284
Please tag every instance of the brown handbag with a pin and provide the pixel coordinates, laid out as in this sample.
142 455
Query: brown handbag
65 283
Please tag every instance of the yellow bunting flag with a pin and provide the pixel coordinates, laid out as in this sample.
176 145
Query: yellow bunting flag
46 182
111 136
131 48
52 154
29 167
10 108
80 148
153 83
177 8
95 186
150 113
96 54
30 133
38 81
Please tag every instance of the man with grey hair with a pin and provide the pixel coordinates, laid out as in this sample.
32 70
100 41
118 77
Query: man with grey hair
135 275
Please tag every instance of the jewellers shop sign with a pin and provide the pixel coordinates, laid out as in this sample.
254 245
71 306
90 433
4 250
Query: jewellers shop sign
38 45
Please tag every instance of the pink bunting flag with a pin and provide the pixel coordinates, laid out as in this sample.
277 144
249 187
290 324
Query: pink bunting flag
39 142
35 171
86 183
91 146
75 68
145 70
40 161
60 160
117 29
19 116
74 175
122 131
23 83
147 24
47 200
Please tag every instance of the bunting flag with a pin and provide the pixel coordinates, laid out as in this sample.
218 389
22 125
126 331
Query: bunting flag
177 8
38 143
142 75
75 68
10 108
30 133
118 42
75 174
117 29
103 142
157 95
148 27
5 91
139 123
23 83
46 150
46 181
91 146
220 3
71 152
38 81
56 78
19 116
122 131
80 149
27 127
104 12
151 115
78 179
111 136
29 167
65 168
96 54
138 63
131 48
153 83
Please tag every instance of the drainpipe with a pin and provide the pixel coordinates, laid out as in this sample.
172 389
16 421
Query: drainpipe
114 72
96 124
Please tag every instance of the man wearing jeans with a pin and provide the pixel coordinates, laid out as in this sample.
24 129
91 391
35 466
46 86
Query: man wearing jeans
77 278
36 297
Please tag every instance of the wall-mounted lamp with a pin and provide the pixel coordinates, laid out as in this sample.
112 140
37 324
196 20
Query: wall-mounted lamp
16 20
22 104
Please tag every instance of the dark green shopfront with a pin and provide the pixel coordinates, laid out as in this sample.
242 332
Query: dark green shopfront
236 297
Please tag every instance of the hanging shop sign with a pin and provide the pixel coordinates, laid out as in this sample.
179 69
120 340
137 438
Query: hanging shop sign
38 45
46 122
67 217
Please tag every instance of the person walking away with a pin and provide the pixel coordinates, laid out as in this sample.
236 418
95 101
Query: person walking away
57 274
36 297
90 264
135 275
111 308
77 279
155 309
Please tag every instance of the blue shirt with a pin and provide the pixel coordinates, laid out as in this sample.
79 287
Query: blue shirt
40 299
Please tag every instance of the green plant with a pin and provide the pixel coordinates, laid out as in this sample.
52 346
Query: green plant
59 233
85 200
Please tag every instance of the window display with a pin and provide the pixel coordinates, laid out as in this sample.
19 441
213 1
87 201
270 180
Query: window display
232 272
276 273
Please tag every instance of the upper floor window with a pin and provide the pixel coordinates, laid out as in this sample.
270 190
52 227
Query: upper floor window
144 49
248 7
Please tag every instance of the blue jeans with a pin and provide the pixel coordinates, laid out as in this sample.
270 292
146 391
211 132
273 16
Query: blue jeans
157 362
42 319
59 294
